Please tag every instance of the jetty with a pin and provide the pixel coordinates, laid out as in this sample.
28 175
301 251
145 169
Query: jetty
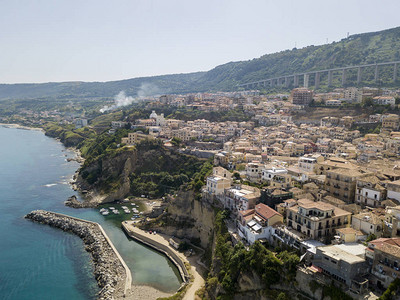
111 272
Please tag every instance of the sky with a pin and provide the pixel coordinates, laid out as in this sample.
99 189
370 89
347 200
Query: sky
97 40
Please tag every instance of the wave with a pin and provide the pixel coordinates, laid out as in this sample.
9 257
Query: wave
50 184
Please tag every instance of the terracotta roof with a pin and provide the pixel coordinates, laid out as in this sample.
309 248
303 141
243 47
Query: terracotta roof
388 245
265 211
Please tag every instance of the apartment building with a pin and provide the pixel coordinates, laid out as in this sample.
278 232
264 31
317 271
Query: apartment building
241 197
370 191
383 255
316 219
220 180
341 183
301 96
308 163
136 137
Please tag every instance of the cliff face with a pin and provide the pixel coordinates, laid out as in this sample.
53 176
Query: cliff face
107 179
189 218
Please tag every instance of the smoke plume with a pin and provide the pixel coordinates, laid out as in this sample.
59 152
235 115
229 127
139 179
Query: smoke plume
119 100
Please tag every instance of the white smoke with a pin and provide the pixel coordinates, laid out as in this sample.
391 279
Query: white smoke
119 100
147 90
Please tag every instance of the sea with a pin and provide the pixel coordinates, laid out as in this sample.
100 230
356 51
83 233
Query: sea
41 262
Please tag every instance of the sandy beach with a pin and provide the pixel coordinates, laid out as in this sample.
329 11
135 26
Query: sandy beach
145 292
20 127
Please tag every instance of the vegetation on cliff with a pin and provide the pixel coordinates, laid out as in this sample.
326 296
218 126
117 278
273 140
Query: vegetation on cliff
230 263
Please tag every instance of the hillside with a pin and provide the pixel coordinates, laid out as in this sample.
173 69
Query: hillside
357 49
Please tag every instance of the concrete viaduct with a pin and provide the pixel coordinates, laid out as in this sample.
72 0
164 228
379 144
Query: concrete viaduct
287 80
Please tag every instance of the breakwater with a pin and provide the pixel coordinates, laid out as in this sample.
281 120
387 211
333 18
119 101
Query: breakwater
112 275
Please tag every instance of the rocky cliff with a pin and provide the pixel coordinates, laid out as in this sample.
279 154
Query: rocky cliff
188 218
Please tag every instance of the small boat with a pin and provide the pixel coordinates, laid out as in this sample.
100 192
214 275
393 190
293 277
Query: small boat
127 211
112 208
124 207
116 212
105 213
103 209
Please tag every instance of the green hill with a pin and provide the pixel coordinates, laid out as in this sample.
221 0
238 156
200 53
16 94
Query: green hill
357 49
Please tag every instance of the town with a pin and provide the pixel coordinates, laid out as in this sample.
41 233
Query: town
325 186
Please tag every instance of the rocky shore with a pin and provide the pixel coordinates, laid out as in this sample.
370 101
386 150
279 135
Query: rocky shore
109 271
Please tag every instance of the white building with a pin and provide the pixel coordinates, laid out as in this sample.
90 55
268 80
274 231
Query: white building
269 173
220 180
308 163
256 224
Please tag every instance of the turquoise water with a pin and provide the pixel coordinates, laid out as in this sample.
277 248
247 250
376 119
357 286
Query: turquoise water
40 262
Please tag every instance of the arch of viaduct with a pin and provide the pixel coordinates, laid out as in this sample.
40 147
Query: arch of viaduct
294 79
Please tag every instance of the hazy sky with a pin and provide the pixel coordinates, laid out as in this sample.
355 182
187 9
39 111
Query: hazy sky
68 40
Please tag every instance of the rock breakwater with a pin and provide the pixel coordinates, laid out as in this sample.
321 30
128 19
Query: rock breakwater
109 271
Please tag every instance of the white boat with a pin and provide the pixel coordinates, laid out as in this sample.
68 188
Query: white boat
127 211
115 211
124 207
105 213
103 209
112 208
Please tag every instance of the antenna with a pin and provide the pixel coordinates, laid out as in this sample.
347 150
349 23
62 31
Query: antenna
348 34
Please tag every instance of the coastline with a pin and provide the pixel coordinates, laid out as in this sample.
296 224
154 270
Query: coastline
18 126
136 291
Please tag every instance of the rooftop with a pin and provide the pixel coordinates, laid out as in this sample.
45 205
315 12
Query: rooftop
339 254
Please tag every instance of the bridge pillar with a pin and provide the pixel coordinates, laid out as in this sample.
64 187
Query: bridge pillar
317 74
394 72
344 77
295 80
330 78
286 81
376 73
358 75
306 78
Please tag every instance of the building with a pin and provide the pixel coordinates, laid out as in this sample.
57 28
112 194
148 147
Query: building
269 173
308 163
256 224
349 235
370 191
393 190
253 171
343 266
390 122
383 256
368 223
136 137
316 219
384 100
341 183
79 123
241 197
301 96
220 180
